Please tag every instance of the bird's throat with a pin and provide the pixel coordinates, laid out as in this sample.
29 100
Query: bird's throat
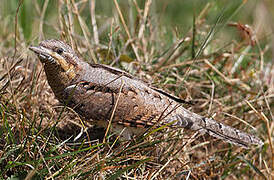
58 79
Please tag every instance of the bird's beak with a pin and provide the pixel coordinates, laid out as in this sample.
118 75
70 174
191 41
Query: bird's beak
44 54
36 49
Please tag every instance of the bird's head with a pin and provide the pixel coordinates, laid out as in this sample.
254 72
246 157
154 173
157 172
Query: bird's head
56 53
60 62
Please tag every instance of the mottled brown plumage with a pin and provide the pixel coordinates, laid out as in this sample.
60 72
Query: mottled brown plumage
93 90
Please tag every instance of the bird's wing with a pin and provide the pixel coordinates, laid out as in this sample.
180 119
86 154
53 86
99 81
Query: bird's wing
120 73
98 102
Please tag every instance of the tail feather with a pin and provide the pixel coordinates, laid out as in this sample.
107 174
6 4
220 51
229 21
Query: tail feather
230 134
207 125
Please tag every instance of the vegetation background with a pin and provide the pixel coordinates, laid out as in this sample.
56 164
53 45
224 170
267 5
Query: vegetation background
218 55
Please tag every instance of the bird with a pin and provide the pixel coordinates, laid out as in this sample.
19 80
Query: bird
101 93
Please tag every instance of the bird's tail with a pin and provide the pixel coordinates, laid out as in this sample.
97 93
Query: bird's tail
229 134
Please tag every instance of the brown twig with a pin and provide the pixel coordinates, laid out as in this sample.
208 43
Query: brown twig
15 29
126 29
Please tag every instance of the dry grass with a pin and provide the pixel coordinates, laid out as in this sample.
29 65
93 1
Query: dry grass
222 74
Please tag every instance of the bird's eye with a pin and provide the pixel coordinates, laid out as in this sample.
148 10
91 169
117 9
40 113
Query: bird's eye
60 50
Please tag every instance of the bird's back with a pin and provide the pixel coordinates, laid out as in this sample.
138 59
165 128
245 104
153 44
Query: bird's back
138 105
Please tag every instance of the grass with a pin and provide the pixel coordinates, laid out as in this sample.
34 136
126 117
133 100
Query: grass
225 71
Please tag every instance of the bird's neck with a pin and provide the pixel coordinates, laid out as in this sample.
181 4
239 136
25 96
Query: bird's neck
57 79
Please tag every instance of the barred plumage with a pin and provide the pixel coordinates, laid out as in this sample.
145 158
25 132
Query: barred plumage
93 90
